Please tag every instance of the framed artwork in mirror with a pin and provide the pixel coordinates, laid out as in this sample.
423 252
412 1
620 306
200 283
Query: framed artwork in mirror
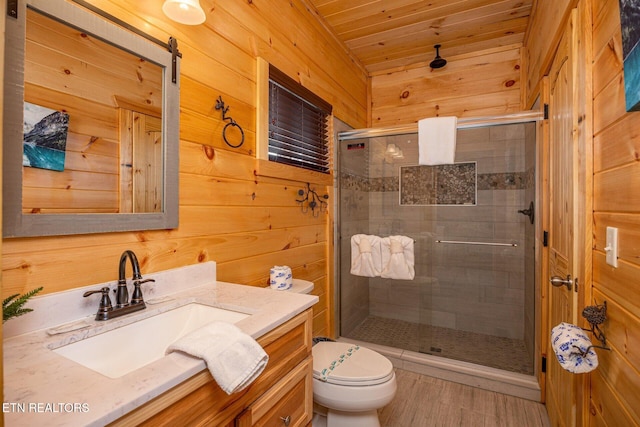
45 137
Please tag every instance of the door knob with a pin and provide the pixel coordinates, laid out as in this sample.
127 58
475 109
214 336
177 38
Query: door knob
558 281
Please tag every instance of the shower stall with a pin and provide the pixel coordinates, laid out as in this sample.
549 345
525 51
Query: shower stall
472 298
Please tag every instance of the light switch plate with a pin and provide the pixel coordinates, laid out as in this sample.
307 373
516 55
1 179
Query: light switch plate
611 247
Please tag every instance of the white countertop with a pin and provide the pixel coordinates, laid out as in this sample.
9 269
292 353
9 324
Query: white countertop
44 388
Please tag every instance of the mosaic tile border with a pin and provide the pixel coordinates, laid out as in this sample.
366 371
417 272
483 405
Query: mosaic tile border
502 181
486 181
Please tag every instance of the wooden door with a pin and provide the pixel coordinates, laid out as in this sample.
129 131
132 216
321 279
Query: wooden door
564 208
141 163
147 163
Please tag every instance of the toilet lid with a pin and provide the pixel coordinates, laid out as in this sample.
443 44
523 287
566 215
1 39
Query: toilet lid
349 364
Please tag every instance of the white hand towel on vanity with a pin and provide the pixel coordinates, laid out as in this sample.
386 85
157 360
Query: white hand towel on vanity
437 140
398 259
365 255
234 358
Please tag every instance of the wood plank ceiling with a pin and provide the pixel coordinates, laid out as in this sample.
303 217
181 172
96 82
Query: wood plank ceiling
390 34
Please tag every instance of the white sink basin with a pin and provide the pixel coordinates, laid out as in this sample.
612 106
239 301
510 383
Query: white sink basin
117 352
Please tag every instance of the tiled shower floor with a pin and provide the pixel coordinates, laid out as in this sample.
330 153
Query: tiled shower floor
496 352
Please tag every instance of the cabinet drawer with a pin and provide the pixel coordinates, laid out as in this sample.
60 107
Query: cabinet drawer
288 403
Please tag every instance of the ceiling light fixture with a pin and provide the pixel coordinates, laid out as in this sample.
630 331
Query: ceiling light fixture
188 12
438 62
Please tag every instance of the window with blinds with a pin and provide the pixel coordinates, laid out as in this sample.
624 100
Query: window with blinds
298 125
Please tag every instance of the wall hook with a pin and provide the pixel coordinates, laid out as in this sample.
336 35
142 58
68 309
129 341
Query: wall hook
310 199
220 106
595 315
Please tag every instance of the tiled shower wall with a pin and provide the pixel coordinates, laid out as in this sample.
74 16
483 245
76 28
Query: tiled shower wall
354 219
473 288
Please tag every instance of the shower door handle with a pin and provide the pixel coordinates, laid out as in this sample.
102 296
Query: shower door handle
558 281
528 212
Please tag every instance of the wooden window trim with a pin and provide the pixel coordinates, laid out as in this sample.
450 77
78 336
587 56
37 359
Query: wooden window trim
264 167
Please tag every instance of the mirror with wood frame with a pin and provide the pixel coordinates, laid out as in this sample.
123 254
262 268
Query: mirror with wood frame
91 124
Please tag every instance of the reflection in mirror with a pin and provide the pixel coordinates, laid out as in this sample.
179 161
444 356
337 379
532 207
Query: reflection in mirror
111 152
97 148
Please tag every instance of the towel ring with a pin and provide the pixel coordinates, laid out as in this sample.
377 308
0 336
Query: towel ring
220 106
224 134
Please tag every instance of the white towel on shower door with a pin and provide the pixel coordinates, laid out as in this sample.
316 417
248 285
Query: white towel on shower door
365 255
398 259
437 140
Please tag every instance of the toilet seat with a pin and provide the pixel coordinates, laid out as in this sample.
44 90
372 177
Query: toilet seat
361 367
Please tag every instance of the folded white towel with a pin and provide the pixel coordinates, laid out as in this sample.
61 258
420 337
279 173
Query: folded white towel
234 358
569 343
398 259
437 140
365 255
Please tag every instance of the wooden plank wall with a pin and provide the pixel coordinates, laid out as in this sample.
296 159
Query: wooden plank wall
614 391
484 83
541 41
615 385
228 214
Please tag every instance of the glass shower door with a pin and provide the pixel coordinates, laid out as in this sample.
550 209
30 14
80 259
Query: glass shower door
479 302
472 295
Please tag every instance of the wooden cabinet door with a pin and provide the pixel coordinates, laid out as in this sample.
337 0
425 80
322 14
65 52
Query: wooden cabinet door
287 404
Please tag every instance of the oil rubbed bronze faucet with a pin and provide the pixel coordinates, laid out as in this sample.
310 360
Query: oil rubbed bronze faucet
106 311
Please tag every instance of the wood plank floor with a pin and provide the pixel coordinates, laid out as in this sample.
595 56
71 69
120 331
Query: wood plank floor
423 401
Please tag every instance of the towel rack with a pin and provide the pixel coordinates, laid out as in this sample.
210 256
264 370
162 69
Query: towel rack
460 242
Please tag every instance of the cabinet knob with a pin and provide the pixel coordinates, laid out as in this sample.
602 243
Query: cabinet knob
286 420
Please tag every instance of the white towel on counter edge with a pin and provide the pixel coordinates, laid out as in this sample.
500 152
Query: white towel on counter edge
365 255
437 140
234 358
398 258
563 339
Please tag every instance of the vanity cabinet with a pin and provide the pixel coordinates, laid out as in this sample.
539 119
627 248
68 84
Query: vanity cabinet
280 396
288 403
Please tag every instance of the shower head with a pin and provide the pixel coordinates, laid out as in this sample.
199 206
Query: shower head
438 62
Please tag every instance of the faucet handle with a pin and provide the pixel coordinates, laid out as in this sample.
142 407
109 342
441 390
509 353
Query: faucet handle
136 297
105 302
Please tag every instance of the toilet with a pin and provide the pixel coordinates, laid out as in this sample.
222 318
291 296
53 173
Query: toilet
350 382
